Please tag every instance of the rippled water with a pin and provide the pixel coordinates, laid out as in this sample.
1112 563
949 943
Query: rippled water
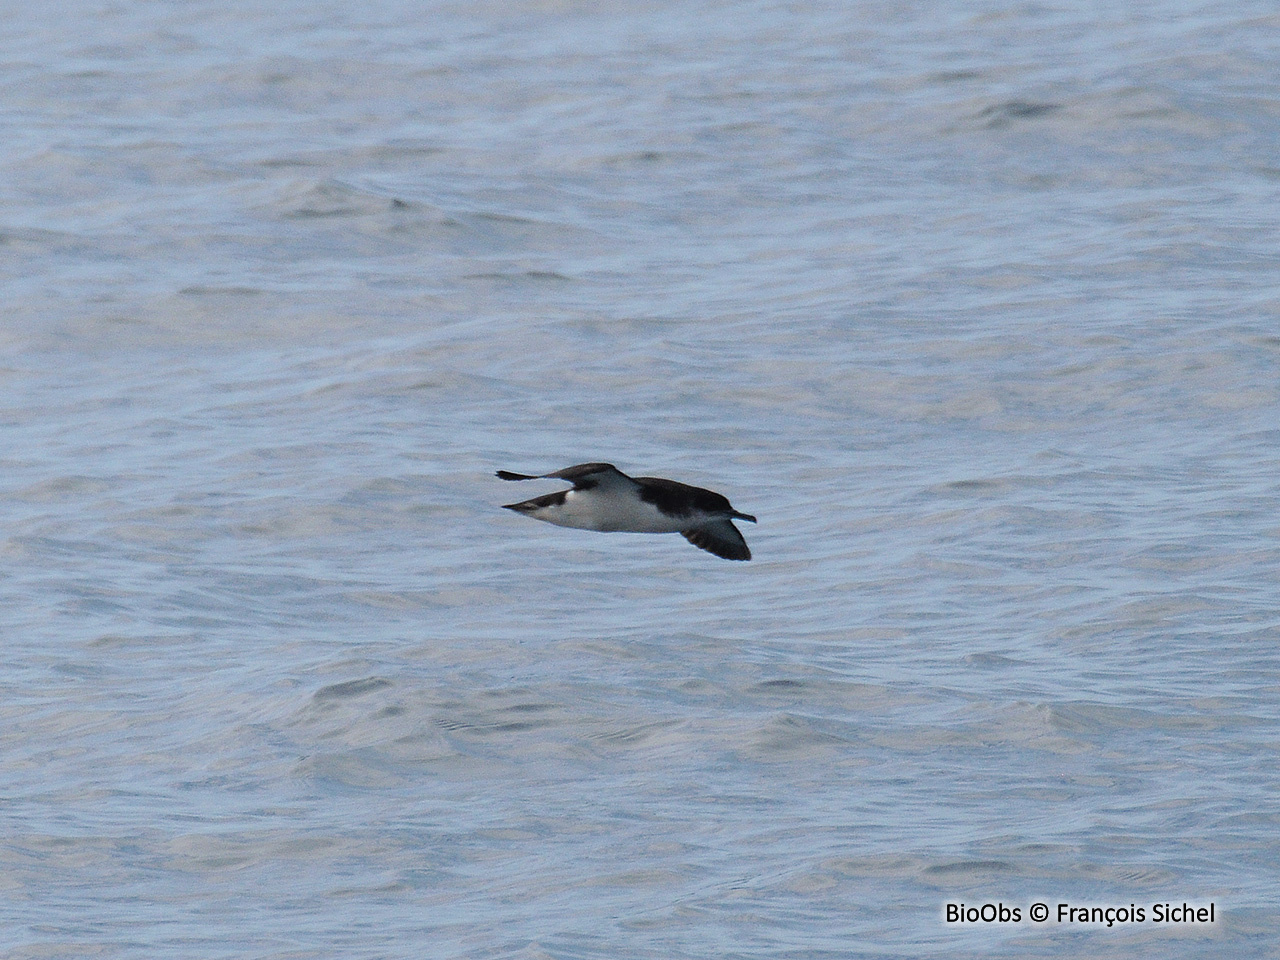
973 305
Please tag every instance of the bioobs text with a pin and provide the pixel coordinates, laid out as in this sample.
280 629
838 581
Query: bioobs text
987 913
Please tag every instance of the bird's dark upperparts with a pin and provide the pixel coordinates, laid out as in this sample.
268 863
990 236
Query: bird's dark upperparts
604 498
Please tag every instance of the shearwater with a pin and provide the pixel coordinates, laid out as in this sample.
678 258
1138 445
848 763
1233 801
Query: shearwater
604 498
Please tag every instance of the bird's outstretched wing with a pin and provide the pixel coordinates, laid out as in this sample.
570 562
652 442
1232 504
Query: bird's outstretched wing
721 538
584 474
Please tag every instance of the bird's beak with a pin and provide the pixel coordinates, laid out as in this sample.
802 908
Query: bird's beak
743 516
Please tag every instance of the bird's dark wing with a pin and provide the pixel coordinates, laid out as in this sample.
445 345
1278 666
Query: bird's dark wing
721 538
580 475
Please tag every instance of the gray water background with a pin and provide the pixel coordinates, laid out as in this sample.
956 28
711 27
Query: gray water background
974 305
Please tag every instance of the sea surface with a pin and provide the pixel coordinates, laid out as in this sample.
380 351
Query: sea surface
975 305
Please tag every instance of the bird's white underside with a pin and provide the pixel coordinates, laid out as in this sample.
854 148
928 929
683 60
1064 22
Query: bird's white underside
610 513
